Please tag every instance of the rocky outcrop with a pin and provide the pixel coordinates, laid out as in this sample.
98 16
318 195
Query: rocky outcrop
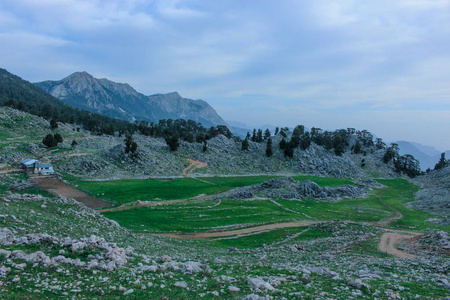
112 257
289 188
434 198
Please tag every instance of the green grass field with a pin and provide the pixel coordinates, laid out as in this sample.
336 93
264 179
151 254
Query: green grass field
206 215
130 190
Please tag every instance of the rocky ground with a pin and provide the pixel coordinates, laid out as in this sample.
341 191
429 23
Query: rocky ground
291 189
435 196
57 247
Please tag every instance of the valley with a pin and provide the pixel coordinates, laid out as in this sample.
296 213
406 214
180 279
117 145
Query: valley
221 223
236 150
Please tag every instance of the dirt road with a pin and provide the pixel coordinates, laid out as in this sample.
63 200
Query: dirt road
57 187
207 235
389 241
155 203
193 164
387 221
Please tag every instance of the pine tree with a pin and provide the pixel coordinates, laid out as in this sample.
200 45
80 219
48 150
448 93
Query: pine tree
266 134
50 141
54 123
173 143
289 151
130 145
305 141
254 136
58 138
442 162
269 151
259 137
245 144
357 147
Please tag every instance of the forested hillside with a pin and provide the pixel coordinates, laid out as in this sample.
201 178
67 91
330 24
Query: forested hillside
21 94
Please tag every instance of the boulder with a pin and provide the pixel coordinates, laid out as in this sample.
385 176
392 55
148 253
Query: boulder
6 237
259 283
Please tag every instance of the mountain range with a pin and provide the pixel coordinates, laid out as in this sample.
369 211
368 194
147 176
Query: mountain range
120 100
427 156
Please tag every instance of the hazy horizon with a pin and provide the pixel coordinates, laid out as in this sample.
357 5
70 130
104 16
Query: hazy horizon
375 65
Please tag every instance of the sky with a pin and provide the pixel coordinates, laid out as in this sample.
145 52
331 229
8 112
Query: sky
378 65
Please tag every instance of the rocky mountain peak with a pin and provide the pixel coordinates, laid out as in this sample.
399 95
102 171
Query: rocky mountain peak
120 100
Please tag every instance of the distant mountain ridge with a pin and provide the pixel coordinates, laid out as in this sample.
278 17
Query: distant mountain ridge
427 155
120 100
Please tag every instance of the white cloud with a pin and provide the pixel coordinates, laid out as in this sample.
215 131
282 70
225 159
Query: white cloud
322 61
425 4
176 9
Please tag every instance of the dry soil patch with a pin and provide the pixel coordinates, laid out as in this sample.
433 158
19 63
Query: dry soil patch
59 188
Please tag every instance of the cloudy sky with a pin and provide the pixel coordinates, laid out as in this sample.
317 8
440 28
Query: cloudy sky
378 65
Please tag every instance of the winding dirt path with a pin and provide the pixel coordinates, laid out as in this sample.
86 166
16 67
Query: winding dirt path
193 164
207 235
389 241
387 221
155 203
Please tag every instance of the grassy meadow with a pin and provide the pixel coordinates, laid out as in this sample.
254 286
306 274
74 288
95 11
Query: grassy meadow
124 191
222 215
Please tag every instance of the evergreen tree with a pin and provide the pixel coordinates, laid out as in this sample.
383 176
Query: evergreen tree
408 165
259 137
205 147
391 153
305 141
266 134
283 144
245 144
50 141
128 141
357 147
442 162
339 149
54 123
173 143
74 144
58 138
289 151
130 145
253 139
380 144
299 130
269 151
